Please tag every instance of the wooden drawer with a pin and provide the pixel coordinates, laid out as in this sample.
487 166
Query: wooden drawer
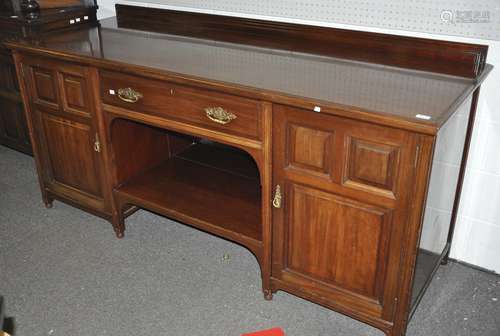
185 104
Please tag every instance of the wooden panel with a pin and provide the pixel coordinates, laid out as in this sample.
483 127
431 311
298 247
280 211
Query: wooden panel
373 164
70 149
337 241
44 86
136 148
310 149
74 94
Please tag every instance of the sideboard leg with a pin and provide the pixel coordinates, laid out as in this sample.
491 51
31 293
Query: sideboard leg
446 257
396 331
119 234
268 294
390 332
48 202
118 225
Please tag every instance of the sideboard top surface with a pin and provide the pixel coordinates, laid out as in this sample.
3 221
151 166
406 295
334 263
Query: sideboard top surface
364 88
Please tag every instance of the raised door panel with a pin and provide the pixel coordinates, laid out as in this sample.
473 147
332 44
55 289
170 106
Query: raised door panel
73 161
45 86
371 164
310 149
336 241
74 94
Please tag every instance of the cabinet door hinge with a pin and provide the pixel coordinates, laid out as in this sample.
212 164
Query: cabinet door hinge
97 144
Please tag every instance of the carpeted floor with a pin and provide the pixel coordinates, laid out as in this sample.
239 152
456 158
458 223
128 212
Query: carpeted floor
63 272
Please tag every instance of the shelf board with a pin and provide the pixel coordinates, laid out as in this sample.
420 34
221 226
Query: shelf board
197 189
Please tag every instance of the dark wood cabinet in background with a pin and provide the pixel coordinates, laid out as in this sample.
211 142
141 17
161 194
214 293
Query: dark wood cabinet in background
13 128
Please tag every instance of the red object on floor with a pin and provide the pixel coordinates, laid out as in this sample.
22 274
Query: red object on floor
270 332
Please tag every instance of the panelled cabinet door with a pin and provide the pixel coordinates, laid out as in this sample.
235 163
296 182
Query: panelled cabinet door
71 157
338 230
63 118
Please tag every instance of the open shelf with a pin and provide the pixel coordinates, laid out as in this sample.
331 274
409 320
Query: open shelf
213 187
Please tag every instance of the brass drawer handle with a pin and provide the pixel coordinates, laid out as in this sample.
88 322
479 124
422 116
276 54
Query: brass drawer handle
219 115
129 95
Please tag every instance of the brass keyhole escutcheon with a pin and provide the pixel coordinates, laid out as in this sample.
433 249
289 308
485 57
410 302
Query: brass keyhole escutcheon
277 197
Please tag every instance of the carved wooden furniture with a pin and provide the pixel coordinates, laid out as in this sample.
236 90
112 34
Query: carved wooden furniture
13 129
315 148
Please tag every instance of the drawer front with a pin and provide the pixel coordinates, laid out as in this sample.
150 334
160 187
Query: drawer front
214 110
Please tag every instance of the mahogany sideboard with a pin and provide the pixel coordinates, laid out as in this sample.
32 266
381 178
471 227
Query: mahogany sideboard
335 156
13 129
